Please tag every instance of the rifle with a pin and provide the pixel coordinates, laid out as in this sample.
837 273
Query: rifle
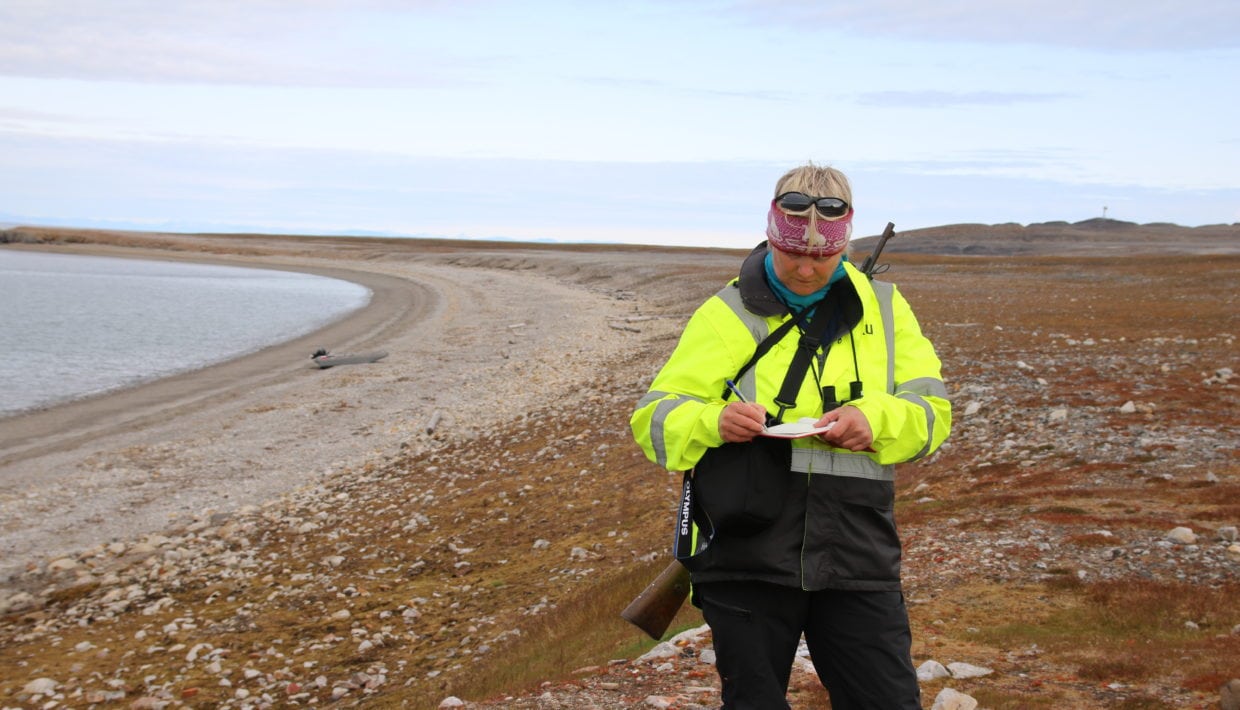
653 610
867 267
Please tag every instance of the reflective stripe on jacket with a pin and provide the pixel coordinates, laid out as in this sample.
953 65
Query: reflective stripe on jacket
837 530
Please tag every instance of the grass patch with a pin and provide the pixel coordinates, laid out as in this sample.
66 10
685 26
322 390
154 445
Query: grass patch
1118 632
570 639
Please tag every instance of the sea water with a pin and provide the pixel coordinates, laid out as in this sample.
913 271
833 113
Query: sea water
73 326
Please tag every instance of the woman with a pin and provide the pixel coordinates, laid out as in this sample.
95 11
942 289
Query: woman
823 558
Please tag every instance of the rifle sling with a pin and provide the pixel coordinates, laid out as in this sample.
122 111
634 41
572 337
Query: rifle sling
813 336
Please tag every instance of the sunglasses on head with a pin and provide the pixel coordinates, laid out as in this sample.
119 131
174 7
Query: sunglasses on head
799 203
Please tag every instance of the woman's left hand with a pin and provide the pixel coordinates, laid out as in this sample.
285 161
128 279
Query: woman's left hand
851 429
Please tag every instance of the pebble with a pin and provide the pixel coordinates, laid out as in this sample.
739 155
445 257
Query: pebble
932 670
949 699
40 686
1182 535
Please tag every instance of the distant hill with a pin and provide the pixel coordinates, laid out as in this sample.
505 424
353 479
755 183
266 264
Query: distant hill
1097 236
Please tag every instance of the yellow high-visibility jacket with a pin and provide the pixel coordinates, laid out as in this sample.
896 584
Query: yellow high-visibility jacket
837 529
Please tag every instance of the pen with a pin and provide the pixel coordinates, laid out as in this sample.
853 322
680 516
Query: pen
732 386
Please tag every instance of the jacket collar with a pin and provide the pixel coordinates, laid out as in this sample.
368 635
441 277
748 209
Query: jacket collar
756 294
759 299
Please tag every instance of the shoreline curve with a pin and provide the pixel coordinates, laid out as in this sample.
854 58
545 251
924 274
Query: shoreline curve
394 303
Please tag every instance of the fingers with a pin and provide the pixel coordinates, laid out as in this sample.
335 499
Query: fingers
851 430
740 421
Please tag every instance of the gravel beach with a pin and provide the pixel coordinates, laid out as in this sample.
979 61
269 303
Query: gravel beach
474 339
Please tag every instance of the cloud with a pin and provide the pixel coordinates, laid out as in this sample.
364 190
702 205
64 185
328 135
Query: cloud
1095 24
658 86
949 99
259 42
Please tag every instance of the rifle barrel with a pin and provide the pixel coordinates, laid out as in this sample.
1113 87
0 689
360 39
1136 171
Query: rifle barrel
871 261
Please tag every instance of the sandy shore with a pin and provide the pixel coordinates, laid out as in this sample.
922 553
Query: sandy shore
478 339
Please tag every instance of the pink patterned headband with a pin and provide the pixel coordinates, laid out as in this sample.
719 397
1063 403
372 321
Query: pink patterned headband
791 233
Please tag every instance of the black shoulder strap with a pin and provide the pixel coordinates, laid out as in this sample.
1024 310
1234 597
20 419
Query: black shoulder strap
814 336
769 342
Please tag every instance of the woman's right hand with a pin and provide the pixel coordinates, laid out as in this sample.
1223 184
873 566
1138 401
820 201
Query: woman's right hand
741 421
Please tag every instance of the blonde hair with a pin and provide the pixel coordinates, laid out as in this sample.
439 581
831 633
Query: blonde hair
817 181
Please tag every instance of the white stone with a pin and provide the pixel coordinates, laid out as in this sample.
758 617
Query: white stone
1128 408
62 564
972 408
690 636
18 602
1059 415
967 670
1227 533
195 651
949 699
452 702
41 686
1182 535
659 652
931 670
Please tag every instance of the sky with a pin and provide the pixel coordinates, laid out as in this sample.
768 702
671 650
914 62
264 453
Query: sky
661 122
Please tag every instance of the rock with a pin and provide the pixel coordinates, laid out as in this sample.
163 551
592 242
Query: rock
967 670
1182 536
62 565
1128 408
18 602
452 702
659 652
40 686
197 649
1227 533
931 670
949 699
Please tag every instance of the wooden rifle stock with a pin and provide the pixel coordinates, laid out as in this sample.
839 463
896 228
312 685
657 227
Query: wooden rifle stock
653 610
871 261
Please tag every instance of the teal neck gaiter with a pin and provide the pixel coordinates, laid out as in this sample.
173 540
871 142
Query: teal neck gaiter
793 301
